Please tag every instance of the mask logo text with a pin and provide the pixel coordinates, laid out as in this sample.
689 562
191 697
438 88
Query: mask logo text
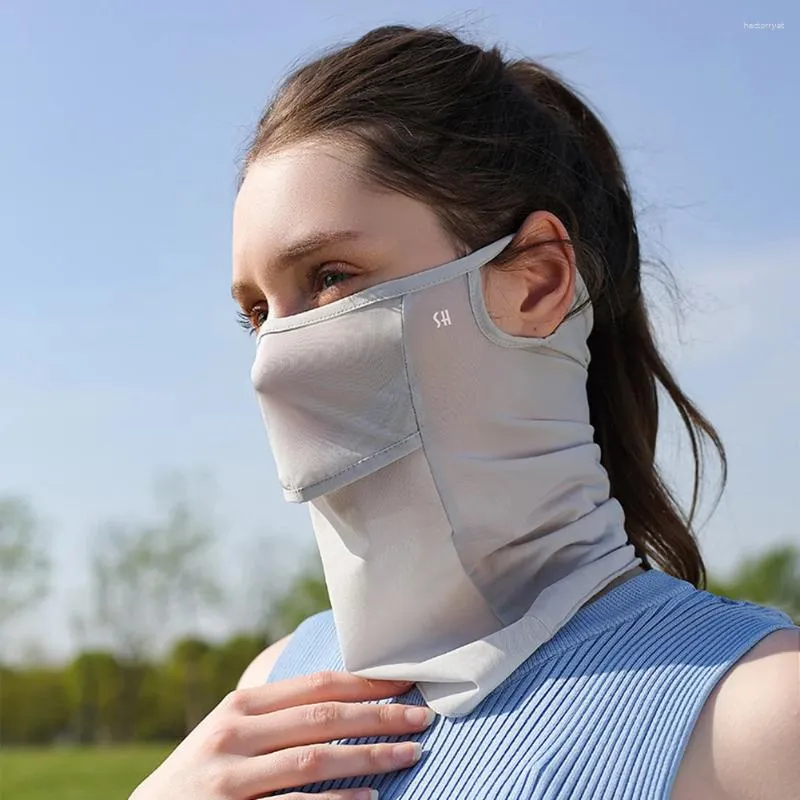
442 318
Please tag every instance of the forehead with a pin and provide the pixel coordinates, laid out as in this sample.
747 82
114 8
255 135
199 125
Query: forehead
300 190
319 187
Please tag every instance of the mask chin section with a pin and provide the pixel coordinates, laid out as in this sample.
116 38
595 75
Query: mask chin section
356 472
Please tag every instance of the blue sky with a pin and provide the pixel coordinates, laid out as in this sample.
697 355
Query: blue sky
120 358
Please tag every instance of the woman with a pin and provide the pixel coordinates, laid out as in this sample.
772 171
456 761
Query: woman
437 251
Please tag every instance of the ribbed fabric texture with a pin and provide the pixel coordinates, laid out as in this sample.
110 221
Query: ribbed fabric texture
602 711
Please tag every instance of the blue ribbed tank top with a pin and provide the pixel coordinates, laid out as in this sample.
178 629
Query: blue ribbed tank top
601 711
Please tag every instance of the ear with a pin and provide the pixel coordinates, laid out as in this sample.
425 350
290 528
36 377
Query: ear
532 295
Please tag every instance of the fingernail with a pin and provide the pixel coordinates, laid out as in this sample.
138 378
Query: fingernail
421 715
407 753
366 794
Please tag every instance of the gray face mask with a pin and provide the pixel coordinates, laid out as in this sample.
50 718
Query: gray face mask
455 489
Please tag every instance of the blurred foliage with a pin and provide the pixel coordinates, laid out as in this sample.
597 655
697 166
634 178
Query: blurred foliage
163 568
24 563
769 579
35 705
308 595
94 684
86 701
140 676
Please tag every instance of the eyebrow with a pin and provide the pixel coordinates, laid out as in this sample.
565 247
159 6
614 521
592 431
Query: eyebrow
302 248
315 241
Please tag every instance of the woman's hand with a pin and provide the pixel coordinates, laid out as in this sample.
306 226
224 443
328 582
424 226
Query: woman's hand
267 738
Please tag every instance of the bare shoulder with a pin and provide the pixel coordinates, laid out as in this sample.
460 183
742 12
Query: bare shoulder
260 667
745 743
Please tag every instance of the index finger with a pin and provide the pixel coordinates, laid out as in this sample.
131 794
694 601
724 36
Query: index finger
315 688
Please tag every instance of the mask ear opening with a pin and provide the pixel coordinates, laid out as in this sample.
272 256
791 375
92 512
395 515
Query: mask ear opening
554 342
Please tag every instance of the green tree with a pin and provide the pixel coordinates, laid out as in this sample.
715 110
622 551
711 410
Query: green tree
188 678
152 580
94 679
228 661
35 705
159 715
24 563
771 579
307 595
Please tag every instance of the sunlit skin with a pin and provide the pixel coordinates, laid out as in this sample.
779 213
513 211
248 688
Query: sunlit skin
309 190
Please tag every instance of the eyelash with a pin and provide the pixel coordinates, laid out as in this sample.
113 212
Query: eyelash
314 276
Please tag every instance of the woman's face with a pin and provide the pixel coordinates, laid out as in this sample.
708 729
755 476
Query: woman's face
307 230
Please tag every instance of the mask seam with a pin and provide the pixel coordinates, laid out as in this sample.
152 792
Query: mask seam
424 449
413 403
296 489
485 325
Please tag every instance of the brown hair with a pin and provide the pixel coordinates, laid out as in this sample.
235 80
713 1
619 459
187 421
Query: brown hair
484 141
